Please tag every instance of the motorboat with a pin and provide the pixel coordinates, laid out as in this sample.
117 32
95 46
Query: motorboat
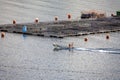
60 47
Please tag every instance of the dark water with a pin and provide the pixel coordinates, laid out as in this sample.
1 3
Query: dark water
34 58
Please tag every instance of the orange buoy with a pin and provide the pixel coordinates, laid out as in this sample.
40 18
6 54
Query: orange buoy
107 36
112 15
85 39
56 18
36 20
69 16
14 21
2 34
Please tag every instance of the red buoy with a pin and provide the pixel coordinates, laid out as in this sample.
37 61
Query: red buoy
56 18
107 37
14 21
36 20
69 16
112 15
85 39
2 34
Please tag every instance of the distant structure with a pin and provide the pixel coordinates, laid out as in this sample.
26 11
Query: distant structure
92 14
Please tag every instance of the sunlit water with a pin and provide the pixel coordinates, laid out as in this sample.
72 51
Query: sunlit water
34 58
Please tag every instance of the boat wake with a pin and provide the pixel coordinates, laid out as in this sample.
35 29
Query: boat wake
101 50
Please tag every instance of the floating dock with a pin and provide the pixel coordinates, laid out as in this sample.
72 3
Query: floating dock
60 29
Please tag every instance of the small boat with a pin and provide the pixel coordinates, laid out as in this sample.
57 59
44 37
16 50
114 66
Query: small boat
60 47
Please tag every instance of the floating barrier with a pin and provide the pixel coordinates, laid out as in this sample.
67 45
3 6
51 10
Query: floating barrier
65 28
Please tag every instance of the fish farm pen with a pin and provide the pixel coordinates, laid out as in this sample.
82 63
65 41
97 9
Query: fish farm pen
60 29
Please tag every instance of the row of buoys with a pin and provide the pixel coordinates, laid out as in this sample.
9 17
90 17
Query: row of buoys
107 37
68 16
36 21
25 30
56 19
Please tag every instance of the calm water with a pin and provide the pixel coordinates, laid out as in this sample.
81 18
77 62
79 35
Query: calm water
34 58
46 10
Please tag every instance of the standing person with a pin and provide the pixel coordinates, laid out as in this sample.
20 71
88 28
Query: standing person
70 45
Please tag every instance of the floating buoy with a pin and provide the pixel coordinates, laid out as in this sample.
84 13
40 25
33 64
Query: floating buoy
69 16
36 20
2 34
112 15
14 21
85 39
56 18
107 36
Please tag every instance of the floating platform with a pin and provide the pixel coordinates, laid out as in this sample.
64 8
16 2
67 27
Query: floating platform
61 29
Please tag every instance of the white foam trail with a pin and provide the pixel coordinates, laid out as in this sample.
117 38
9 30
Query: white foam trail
102 50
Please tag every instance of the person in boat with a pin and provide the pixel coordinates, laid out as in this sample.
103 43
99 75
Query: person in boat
70 45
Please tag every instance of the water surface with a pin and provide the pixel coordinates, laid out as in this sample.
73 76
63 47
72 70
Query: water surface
34 58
